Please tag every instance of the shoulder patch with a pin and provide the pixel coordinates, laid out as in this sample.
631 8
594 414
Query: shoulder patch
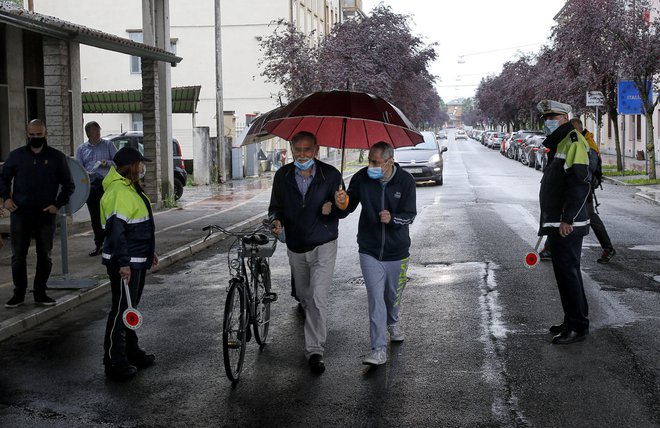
574 137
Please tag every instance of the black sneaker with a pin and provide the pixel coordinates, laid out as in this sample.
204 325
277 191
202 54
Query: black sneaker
15 301
120 371
44 300
606 256
143 360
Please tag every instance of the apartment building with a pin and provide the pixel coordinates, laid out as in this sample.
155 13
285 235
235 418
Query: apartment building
192 37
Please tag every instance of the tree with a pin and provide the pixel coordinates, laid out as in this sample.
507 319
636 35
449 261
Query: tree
594 53
377 54
290 60
638 38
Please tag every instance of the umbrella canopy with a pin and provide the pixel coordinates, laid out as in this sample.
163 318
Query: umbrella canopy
342 119
255 132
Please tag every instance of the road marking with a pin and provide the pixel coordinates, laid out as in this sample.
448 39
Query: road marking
646 248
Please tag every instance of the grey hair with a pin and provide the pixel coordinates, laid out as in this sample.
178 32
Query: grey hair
386 149
303 135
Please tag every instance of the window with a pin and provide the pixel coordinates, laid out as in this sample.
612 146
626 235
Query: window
136 64
136 122
638 120
173 45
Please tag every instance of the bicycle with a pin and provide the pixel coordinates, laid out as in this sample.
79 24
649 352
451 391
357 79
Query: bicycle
248 294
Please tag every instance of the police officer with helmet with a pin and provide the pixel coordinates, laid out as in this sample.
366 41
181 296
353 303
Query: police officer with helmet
563 197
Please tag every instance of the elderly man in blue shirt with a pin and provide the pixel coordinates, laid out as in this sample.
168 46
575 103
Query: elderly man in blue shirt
96 157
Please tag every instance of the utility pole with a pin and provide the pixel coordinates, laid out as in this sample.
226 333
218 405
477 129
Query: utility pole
223 152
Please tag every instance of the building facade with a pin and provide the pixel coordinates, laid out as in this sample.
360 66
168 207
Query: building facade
192 35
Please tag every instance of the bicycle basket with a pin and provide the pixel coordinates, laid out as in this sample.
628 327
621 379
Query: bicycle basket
268 249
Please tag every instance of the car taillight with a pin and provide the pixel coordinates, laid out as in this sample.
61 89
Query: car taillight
535 149
519 140
547 150
183 165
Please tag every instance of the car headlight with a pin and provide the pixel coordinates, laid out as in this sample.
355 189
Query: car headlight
435 158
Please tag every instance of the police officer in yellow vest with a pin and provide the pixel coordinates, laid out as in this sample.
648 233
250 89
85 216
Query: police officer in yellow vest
128 251
565 187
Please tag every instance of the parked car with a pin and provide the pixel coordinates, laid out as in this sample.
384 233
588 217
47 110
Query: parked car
529 149
423 161
515 144
442 135
135 139
495 140
460 135
541 158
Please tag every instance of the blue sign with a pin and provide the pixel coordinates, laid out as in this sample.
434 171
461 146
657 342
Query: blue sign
630 100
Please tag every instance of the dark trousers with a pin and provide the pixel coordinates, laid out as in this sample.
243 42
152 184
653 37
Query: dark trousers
24 226
121 342
597 225
566 254
94 208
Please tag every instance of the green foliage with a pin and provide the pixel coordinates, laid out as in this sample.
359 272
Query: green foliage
642 181
16 2
191 181
612 172
169 202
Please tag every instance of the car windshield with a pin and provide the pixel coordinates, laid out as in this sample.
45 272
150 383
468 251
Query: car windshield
428 144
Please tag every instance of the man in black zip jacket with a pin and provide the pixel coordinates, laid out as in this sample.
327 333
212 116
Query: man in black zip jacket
36 171
388 197
301 203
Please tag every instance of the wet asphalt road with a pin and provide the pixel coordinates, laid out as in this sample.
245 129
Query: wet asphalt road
477 351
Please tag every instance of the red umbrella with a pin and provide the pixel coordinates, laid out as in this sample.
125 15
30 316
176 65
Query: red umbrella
341 119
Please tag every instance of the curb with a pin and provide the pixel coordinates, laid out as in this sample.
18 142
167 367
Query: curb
24 322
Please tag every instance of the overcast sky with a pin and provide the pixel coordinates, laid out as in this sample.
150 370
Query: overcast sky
489 33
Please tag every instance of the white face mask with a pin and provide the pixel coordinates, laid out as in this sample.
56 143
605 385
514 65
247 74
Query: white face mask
143 171
551 126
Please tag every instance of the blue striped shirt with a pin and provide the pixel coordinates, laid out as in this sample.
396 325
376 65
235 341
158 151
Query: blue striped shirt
304 182
89 155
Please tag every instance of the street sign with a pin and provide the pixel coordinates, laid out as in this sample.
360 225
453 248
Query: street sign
630 100
595 99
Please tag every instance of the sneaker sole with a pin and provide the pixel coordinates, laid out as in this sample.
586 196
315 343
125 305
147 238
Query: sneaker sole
13 306
397 340
46 303
373 363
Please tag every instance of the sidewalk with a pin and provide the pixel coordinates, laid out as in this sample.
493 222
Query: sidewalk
235 205
648 193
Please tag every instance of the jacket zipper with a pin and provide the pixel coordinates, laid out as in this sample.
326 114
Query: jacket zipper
382 225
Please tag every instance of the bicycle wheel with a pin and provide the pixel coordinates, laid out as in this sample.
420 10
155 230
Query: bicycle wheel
233 331
262 300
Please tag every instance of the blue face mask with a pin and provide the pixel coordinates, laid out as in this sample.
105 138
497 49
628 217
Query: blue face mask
375 172
304 166
551 126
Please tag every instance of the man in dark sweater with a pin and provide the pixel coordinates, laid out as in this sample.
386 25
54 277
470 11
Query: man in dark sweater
36 171
301 202
387 194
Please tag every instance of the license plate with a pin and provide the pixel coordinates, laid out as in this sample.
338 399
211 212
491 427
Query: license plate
414 170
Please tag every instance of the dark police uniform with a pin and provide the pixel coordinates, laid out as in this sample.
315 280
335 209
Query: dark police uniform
565 187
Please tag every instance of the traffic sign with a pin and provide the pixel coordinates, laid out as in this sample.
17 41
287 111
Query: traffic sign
595 99
630 100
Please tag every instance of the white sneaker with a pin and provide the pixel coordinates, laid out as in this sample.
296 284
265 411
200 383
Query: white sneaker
396 332
376 357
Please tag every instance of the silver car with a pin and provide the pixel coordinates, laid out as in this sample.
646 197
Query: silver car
423 161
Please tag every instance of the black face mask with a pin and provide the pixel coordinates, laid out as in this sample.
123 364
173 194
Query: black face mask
37 142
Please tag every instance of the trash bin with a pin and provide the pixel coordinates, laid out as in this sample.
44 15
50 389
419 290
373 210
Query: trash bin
264 165
640 155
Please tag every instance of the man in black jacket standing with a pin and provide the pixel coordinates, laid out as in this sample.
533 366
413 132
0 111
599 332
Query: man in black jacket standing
37 172
565 189
301 202
388 197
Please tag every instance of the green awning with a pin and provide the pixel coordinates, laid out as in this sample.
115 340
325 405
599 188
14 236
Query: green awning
184 100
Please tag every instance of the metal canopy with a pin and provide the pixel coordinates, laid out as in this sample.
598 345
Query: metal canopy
60 29
184 100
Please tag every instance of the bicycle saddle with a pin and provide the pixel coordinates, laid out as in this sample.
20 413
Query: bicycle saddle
257 238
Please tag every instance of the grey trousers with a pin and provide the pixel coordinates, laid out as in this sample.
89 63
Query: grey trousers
312 272
385 282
